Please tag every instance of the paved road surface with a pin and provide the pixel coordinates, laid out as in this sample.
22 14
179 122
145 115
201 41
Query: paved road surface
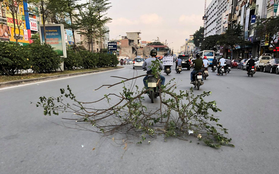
35 144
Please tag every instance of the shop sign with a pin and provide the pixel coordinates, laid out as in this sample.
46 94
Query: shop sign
275 8
33 24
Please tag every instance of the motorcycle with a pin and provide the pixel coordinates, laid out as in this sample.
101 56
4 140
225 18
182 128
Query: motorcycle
167 70
178 69
153 87
222 70
205 74
213 68
198 80
188 64
228 69
251 71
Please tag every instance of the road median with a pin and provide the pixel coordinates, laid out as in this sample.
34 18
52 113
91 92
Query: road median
6 81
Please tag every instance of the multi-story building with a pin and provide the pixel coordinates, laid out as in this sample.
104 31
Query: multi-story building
211 18
130 45
215 20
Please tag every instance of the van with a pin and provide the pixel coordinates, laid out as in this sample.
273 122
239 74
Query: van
263 60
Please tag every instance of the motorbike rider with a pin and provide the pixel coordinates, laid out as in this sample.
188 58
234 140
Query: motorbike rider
198 67
147 65
205 62
178 62
222 63
250 63
214 62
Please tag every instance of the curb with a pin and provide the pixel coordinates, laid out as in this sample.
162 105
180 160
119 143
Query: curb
18 82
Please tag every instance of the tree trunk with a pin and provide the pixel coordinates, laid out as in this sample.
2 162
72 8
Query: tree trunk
12 9
92 44
73 30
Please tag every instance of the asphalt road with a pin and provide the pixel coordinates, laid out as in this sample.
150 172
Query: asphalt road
32 143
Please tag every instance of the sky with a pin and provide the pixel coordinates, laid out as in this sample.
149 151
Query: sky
171 20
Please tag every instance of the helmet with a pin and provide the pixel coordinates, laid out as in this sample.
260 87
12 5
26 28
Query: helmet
153 52
205 57
197 56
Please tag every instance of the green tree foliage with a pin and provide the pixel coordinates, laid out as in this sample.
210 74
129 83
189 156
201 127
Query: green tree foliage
211 42
198 37
13 58
43 58
102 6
233 36
73 60
92 21
268 28
64 13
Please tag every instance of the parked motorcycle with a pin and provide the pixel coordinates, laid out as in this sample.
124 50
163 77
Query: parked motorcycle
167 70
153 87
205 74
198 80
251 71
178 69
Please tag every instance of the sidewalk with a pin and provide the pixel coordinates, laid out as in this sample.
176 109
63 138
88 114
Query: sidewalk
18 82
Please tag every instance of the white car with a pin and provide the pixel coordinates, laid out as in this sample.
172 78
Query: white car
138 62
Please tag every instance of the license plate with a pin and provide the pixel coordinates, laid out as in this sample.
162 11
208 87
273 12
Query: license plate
199 77
223 70
179 69
253 69
152 84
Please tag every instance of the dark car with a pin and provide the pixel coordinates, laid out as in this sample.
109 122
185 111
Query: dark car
185 61
271 65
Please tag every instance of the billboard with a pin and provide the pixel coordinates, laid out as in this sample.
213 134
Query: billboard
112 46
55 37
4 32
19 18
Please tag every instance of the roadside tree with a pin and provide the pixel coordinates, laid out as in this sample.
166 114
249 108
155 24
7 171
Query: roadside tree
268 29
198 37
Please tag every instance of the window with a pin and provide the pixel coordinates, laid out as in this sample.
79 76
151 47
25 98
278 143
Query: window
265 58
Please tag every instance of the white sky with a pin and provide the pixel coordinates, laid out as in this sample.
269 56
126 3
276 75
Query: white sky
171 20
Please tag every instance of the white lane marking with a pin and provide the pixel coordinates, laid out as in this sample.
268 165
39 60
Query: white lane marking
51 80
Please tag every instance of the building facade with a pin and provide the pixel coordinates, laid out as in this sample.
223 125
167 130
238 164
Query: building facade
216 17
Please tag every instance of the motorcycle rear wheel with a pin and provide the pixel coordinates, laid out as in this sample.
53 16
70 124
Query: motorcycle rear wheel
151 96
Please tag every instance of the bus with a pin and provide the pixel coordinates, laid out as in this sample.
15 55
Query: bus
210 54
